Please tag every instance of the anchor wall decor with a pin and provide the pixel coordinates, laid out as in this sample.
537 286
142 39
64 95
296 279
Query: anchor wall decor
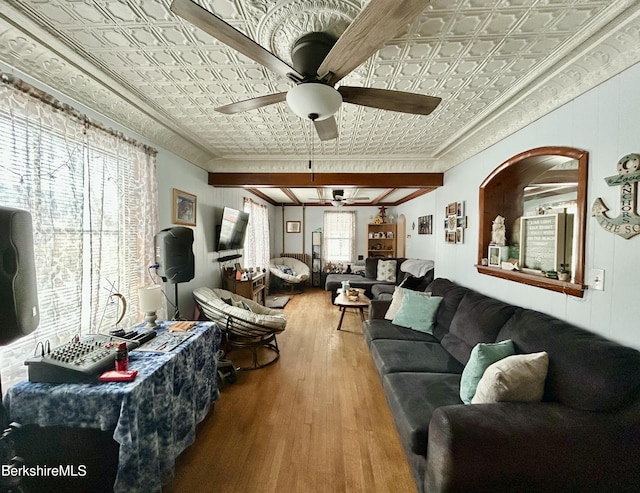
627 224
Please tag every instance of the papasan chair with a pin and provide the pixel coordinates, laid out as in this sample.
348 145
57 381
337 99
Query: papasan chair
246 324
290 272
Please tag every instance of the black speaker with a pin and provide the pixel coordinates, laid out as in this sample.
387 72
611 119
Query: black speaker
19 314
174 254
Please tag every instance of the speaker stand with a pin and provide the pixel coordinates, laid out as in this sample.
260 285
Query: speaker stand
176 314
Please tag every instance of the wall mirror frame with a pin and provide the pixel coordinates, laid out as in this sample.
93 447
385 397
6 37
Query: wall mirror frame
502 193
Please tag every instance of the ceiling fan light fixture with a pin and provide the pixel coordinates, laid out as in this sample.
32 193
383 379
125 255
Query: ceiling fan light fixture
337 203
314 98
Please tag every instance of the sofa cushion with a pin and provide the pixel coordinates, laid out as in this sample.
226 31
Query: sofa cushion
477 319
396 356
586 371
413 397
384 329
396 303
371 267
482 356
451 294
517 378
386 270
417 311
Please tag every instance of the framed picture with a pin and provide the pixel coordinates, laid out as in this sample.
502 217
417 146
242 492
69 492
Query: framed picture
425 225
293 227
451 209
184 208
494 256
450 236
460 209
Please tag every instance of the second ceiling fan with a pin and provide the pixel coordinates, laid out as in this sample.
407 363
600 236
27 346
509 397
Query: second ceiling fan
320 61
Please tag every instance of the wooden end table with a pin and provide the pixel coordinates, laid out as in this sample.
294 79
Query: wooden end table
343 302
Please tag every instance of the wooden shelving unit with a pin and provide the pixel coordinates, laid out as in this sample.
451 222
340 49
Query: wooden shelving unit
381 240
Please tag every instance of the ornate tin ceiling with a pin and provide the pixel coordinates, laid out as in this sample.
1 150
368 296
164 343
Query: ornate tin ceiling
498 65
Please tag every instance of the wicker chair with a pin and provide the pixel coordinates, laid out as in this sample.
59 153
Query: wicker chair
246 324
290 272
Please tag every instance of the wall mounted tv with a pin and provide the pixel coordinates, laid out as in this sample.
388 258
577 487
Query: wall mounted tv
233 229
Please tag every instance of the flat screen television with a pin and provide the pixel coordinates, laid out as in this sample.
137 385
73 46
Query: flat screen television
232 229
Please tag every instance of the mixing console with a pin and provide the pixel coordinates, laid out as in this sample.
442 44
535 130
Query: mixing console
77 361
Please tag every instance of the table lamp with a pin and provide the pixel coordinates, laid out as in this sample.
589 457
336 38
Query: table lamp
150 298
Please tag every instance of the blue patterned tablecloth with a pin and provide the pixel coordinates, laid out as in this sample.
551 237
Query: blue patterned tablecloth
154 417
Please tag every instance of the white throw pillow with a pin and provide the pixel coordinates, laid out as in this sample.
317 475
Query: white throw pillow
517 378
396 302
386 270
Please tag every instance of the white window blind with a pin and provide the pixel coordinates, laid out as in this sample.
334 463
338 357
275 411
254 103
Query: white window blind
256 246
339 236
92 195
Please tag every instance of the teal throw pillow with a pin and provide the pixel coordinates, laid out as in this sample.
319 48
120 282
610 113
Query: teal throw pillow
417 311
482 356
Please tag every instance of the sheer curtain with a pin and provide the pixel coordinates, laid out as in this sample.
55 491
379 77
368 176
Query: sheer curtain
93 198
339 243
257 252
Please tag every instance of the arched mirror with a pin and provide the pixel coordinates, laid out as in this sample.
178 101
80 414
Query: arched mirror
542 196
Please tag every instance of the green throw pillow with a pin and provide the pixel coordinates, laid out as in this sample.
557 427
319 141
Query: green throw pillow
417 311
482 356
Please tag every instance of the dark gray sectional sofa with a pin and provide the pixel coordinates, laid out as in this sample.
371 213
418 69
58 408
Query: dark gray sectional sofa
583 437
372 287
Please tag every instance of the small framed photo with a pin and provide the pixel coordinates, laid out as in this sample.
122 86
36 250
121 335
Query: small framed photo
293 227
494 256
184 208
459 235
460 209
450 236
451 209
452 222
425 225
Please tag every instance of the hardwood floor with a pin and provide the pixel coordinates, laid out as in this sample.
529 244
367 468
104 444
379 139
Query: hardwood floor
314 421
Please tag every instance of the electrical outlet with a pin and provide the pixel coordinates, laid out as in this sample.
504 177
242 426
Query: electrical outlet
596 277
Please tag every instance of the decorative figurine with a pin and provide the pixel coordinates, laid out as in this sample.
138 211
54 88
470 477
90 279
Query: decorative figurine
498 232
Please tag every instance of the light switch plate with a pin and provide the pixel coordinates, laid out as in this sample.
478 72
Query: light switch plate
596 279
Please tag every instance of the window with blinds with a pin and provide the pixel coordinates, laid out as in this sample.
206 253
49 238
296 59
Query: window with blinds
93 199
339 236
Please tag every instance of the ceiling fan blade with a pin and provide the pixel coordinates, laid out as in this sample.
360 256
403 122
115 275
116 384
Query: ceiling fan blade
233 38
379 22
327 129
404 102
253 103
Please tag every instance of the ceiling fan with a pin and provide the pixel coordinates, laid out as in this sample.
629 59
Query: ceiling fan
320 61
339 199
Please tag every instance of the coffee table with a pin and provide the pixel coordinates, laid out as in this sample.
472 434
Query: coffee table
343 302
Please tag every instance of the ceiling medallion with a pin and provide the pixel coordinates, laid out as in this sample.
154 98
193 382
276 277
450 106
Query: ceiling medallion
284 22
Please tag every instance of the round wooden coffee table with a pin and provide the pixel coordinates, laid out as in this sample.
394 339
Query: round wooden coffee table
343 302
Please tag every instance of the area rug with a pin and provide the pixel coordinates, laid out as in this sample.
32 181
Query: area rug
277 301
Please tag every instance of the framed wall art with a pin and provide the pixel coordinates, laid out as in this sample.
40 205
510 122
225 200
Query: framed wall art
425 225
455 222
184 208
293 226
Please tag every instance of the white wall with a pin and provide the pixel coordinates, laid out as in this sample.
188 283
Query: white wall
312 218
604 122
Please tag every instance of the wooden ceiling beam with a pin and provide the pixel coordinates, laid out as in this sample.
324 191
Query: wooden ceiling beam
415 194
291 195
383 196
258 193
307 180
